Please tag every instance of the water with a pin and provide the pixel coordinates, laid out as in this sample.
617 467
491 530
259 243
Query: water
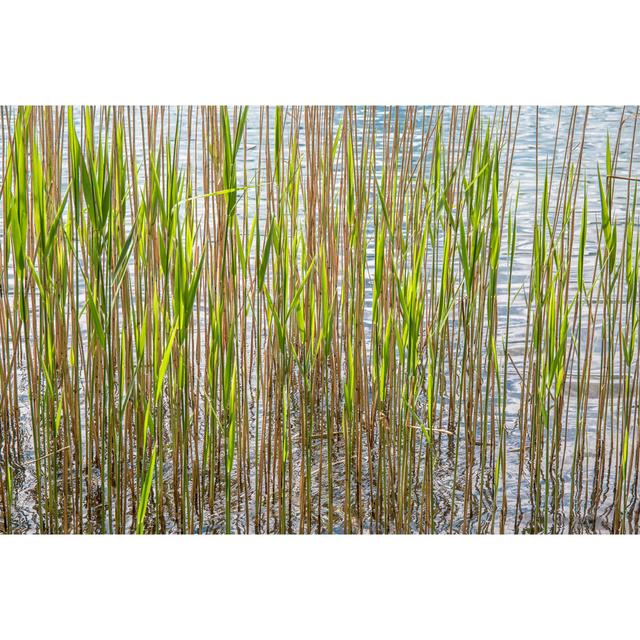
537 129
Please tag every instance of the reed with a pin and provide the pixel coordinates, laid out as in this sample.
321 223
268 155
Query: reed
316 320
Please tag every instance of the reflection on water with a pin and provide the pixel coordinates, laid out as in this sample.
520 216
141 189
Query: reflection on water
539 142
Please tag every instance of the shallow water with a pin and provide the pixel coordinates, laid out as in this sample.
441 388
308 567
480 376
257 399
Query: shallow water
537 129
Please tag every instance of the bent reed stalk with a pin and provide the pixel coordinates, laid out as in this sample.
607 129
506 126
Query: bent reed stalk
314 319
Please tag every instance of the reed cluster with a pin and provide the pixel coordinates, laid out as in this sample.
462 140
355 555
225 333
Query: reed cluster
314 320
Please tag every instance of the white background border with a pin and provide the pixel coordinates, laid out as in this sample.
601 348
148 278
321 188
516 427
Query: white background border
335 51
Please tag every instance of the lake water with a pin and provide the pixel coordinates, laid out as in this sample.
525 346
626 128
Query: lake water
541 137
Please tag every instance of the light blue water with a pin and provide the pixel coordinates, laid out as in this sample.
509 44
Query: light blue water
545 130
